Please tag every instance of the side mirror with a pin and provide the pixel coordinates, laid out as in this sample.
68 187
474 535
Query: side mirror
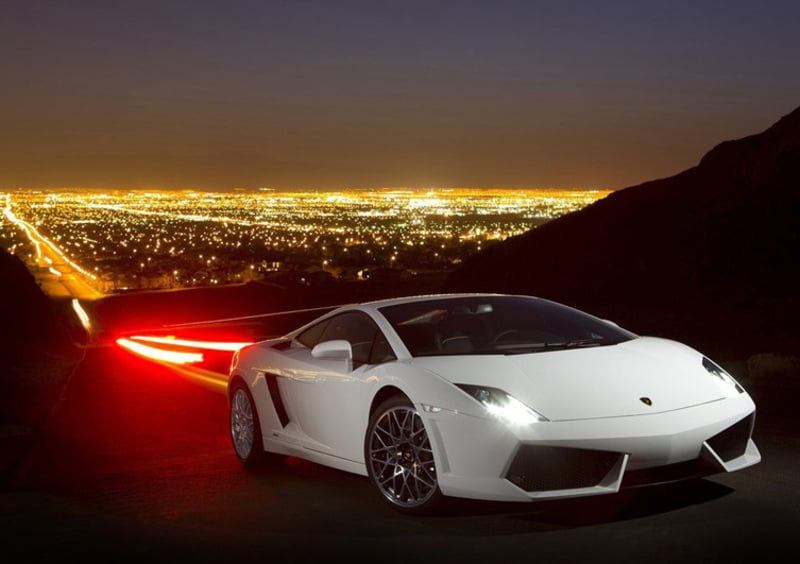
337 349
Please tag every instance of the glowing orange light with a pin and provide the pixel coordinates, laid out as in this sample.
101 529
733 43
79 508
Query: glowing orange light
81 313
154 353
34 235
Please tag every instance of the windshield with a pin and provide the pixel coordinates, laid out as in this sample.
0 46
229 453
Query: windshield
496 325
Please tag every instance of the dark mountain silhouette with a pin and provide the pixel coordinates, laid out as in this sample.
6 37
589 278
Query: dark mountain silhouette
724 231
25 308
39 344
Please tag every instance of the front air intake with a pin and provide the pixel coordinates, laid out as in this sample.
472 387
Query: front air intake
542 468
732 442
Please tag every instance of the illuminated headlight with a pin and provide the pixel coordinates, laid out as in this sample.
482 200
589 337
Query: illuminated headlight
506 408
726 381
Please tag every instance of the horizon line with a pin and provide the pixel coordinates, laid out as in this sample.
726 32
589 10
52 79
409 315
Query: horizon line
265 189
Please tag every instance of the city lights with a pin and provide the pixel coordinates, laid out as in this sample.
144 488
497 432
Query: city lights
129 240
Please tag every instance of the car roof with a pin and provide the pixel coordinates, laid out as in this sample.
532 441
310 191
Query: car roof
377 304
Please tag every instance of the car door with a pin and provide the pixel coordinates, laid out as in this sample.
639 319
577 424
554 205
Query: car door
327 399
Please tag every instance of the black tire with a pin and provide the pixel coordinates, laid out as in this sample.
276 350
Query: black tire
244 425
399 458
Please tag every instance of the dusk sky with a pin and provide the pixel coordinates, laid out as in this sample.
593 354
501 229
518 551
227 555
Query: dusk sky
333 94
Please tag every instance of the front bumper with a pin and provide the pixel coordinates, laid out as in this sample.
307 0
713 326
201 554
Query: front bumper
482 458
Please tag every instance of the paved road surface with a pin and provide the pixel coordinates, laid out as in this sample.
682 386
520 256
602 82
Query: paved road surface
57 277
135 465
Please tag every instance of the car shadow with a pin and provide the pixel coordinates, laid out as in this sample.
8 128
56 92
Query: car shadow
626 505
465 517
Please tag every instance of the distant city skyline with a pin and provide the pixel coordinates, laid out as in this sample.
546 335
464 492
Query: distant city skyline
352 94
126 240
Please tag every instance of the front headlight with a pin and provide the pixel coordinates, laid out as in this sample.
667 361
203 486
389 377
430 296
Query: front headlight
726 381
503 406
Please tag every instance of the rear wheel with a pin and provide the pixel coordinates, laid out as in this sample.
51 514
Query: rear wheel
399 458
245 427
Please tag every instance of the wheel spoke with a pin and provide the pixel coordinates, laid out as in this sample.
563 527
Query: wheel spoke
401 458
242 423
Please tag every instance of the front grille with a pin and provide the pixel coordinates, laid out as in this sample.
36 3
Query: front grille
543 468
696 468
732 442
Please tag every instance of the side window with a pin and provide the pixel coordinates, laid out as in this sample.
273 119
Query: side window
381 350
368 343
311 336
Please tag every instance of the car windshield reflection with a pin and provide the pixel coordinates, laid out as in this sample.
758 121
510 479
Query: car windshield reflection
497 325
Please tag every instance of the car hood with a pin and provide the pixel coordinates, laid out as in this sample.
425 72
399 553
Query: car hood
643 376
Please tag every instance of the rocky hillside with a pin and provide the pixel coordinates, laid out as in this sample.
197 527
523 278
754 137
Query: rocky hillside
38 345
725 230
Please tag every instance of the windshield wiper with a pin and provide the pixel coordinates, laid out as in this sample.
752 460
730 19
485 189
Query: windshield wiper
521 348
555 346
580 343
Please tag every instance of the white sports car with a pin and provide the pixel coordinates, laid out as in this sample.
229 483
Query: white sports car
485 396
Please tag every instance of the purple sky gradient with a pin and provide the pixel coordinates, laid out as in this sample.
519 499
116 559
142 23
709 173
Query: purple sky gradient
335 94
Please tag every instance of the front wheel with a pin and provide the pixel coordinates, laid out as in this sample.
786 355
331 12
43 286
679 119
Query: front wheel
399 458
